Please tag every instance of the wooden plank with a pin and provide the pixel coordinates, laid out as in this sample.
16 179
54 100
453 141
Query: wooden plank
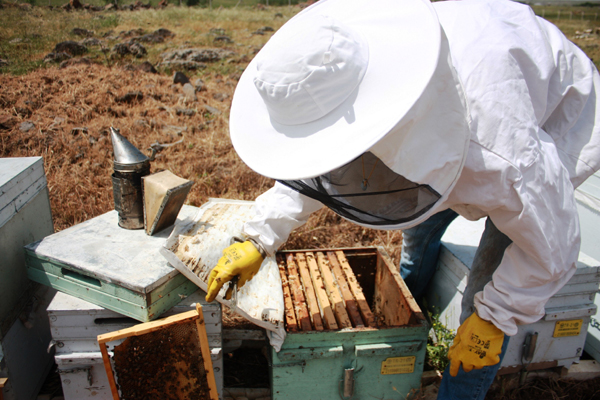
317 280
363 306
309 291
290 315
208 367
2 384
109 371
351 304
147 327
390 304
298 296
393 298
333 291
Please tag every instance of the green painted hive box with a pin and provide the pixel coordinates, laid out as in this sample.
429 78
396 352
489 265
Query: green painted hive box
354 331
115 268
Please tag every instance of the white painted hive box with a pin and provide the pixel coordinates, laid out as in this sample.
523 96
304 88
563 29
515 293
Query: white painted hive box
574 302
76 323
588 206
25 216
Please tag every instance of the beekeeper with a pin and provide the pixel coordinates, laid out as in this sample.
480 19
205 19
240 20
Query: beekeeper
399 114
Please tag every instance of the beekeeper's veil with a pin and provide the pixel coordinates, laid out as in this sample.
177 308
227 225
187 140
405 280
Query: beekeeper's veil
356 103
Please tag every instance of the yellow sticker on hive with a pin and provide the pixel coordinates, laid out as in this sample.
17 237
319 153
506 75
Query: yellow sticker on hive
568 328
398 365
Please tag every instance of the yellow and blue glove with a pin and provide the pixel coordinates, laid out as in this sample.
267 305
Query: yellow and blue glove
478 344
240 260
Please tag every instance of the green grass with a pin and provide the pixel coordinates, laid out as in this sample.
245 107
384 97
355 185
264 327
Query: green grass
200 3
439 342
27 36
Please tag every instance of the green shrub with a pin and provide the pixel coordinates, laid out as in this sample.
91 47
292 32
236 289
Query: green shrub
439 342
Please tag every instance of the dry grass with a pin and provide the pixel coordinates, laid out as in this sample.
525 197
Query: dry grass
549 389
73 108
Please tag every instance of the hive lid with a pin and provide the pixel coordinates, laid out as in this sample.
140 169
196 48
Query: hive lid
21 179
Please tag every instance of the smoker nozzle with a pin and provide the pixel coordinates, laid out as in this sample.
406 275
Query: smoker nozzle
127 156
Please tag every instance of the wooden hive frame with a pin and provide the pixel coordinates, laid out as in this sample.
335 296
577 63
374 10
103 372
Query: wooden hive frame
154 326
323 292
3 382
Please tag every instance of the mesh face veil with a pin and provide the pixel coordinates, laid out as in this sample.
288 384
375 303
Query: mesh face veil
386 199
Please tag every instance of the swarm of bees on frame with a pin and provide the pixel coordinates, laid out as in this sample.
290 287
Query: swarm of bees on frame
164 364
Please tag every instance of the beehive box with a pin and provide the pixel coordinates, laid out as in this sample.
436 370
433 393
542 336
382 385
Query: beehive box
588 205
348 314
107 265
25 216
561 332
76 323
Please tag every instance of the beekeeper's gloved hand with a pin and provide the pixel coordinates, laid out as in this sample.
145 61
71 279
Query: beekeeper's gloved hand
239 259
477 344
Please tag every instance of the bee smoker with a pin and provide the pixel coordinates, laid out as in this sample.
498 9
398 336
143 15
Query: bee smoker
130 165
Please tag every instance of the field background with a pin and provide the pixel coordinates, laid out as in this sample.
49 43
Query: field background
71 107
62 112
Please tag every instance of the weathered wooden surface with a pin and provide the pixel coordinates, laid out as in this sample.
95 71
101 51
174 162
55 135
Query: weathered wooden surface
335 297
290 315
363 305
21 179
324 304
351 304
327 286
109 373
298 295
142 329
393 299
100 249
309 291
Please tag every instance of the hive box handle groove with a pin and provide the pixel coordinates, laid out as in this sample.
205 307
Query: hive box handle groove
75 276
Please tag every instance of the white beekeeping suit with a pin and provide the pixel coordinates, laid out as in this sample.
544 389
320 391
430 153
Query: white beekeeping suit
531 108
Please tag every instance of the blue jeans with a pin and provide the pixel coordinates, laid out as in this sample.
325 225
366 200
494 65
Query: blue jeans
420 252
469 385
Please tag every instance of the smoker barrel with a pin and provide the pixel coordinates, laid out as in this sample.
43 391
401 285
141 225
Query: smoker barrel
130 165
127 194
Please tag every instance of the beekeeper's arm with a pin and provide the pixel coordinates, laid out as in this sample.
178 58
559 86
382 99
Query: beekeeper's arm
539 215
544 227
278 211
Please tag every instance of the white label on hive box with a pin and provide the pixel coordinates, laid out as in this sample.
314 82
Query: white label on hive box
568 328
398 365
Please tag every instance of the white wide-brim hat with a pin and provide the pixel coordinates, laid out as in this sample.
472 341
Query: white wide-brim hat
348 76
